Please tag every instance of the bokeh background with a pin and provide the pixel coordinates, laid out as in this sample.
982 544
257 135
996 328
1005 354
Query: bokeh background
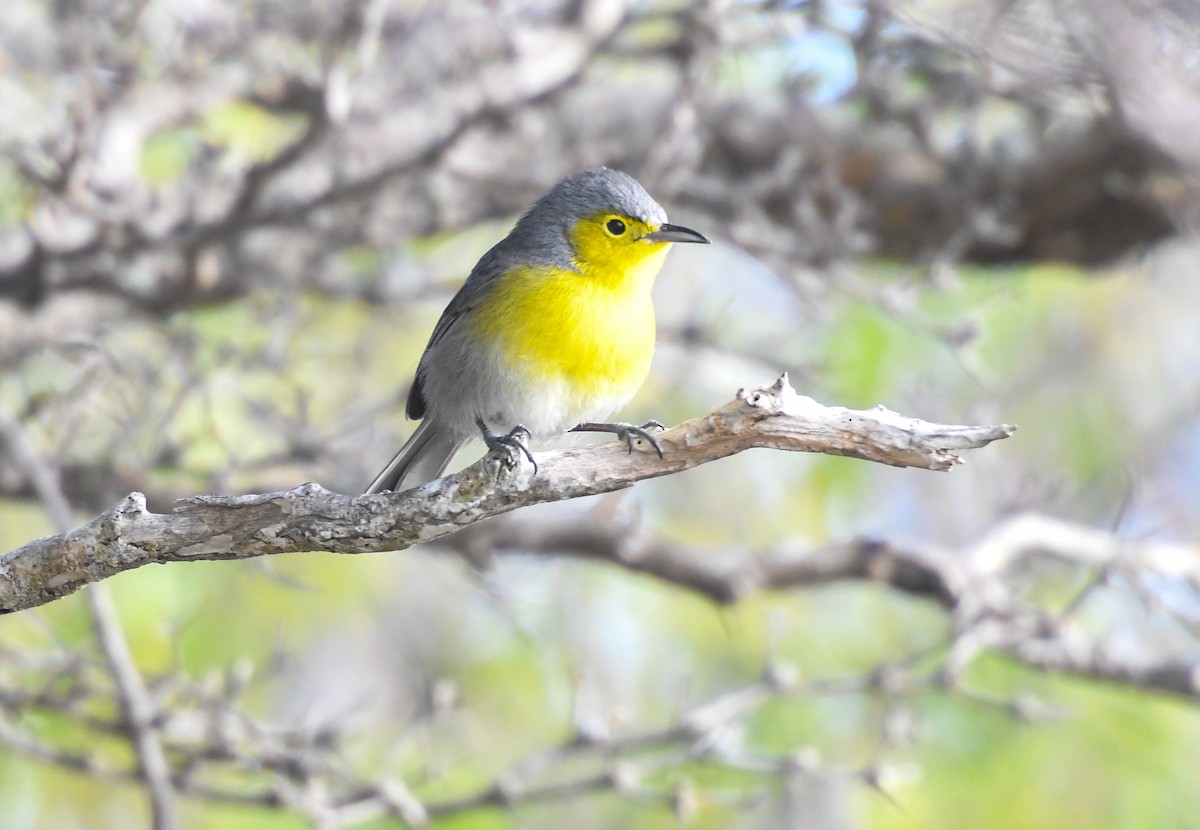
226 230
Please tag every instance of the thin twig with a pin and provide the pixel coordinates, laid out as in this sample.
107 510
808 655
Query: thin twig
136 707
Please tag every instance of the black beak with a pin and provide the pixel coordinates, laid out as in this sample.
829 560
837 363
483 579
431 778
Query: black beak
675 233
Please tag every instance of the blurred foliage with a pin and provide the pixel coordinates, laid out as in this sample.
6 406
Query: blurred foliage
249 133
519 648
266 359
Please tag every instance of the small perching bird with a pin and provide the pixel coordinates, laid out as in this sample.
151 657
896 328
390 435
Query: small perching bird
552 332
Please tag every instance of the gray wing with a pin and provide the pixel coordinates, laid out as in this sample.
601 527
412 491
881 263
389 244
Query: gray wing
490 266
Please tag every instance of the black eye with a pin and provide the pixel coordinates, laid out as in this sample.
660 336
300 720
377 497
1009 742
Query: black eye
615 226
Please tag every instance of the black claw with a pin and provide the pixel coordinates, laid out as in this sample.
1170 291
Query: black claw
627 432
640 432
509 444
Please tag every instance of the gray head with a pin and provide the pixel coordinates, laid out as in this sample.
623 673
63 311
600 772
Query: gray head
589 192
547 227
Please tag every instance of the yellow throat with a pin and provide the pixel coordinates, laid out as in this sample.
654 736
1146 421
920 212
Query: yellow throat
591 329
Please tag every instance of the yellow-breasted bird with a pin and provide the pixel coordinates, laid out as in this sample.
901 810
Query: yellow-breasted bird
553 330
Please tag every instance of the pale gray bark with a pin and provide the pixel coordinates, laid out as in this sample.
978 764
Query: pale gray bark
310 517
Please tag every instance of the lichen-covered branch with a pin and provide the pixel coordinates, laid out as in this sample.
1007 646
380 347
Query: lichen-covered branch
310 517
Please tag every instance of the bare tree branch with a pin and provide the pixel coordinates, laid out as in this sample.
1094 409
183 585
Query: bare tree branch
723 579
137 710
310 517
136 707
590 758
600 757
973 584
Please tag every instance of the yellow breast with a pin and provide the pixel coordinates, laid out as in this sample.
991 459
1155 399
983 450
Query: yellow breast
591 333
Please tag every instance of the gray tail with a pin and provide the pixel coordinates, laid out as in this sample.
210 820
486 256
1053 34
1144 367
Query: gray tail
423 458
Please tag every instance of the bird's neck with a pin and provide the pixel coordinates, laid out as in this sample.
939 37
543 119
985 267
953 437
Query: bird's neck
633 271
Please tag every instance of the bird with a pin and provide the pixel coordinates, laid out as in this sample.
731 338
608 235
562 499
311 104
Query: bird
552 332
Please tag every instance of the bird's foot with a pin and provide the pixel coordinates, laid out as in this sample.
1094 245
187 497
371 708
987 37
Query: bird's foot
627 432
512 445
